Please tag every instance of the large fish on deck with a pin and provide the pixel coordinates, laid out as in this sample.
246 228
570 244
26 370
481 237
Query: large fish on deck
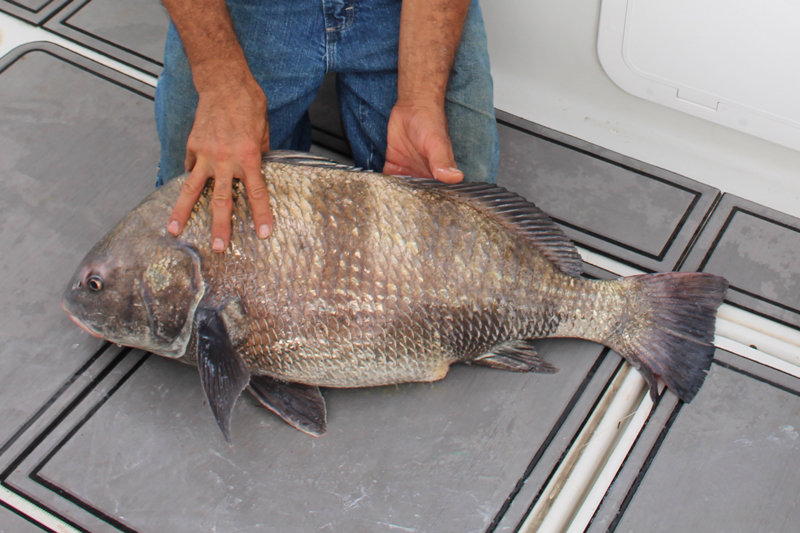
371 280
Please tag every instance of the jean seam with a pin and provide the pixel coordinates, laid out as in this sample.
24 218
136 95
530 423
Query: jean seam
349 10
370 147
471 108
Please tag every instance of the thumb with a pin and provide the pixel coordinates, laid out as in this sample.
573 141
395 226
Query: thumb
442 162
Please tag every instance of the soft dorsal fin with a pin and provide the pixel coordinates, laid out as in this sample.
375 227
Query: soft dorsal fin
516 214
290 157
511 210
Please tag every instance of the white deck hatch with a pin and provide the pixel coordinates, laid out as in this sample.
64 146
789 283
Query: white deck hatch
733 62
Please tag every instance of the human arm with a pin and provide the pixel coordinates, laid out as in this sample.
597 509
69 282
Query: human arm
230 129
417 140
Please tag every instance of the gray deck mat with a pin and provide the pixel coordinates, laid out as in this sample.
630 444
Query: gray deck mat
76 153
758 250
114 440
31 5
637 213
143 453
131 31
109 439
74 160
725 462
11 522
34 11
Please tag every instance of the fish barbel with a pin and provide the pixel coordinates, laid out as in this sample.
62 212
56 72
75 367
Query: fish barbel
371 280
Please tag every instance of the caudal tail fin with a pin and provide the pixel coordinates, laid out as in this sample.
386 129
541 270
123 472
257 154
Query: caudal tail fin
671 338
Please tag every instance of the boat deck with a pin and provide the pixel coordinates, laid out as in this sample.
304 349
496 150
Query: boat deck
98 438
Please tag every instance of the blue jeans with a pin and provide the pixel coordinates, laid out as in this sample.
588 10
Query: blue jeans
291 44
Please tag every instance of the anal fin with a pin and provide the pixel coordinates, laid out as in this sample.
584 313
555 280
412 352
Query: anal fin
516 355
301 406
223 372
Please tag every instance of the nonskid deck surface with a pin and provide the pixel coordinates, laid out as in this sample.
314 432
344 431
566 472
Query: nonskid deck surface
110 439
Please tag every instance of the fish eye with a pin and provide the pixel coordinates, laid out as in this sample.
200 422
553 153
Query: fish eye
95 283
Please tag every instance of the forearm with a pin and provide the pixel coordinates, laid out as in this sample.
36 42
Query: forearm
212 48
230 130
430 31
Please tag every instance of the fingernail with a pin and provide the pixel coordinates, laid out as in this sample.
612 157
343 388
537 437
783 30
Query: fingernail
263 231
218 245
453 169
173 227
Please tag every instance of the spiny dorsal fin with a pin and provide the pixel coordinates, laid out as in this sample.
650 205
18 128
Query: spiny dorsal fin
516 214
516 355
289 157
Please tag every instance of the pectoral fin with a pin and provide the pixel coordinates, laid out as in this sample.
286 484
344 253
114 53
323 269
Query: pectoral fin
223 372
302 406
516 356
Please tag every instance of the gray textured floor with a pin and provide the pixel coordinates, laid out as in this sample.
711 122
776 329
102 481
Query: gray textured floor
607 202
113 440
727 461
730 467
12 523
422 457
75 153
133 31
34 11
758 250
109 444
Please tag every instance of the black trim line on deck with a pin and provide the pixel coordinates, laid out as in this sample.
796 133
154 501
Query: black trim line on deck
50 401
679 226
34 475
26 517
40 47
29 10
645 467
547 441
696 236
64 413
734 211
571 443
49 429
66 14
668 426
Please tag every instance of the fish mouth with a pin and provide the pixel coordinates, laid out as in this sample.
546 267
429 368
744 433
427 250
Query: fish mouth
78 322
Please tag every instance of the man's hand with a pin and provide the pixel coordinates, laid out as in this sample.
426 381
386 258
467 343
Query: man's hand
229 134
230 128
417 144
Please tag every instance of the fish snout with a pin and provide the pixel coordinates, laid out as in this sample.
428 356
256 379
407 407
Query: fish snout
77 321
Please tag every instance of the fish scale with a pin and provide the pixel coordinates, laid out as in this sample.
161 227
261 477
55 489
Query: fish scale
372 280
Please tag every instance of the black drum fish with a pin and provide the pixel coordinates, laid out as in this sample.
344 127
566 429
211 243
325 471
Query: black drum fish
370 280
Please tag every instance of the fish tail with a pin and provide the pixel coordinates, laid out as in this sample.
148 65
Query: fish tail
671 334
